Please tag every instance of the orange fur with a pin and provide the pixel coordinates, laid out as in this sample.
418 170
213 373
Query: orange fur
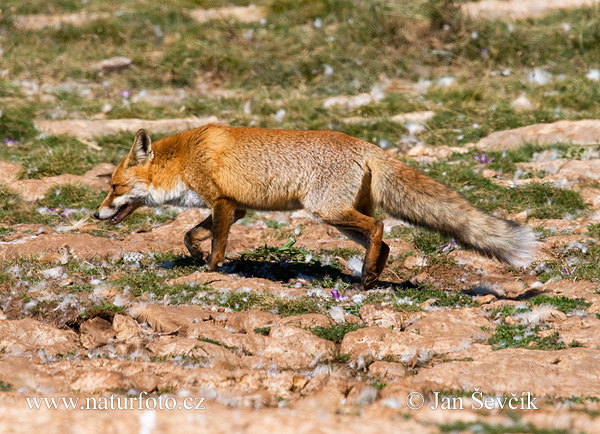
338 178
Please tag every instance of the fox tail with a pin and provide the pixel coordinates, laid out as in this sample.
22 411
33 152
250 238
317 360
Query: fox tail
408 194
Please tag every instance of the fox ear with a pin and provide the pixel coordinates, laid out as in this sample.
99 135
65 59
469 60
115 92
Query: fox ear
141 151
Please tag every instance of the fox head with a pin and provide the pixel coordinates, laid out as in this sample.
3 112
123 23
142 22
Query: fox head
128 190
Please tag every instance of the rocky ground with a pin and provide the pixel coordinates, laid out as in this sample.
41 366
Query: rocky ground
122 326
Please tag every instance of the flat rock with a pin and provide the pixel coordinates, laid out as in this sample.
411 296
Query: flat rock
349 102
39 21
251 343
221 417
98 179
29 336
21 373
430 154
583 132
245 14
387 369
417 117
458 323
476 261
582 330
591 196
306 320
223 282
563 373
247 321
378 342
125 327
566 173
166 237
572 289
512 10
170 319
207 353
295 348
100 381
383 316
96 332
8 172
85 129
114 64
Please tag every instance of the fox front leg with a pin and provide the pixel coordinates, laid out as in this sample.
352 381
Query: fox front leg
202 231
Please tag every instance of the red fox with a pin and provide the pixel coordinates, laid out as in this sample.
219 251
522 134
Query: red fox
339 179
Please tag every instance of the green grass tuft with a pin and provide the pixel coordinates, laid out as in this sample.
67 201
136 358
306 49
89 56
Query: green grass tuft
335 332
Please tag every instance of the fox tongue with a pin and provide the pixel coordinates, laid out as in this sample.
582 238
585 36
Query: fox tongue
122 212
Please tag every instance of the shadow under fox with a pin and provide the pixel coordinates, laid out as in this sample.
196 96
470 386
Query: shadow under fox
337 178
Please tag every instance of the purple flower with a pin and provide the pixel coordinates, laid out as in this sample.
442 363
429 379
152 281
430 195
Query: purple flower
568 273
336 295
482 159
10 142
448 247
125 94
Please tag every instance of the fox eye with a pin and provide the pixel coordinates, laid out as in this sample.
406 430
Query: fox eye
113 187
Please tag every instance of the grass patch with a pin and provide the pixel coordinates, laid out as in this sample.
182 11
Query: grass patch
562 303
442 298
335 332
573 261
429 242
219 343
485 428
541 200
6 231
262 331
341 252
287 252
104 310
13 209
16 123
5 387
55 155
521 336
72 196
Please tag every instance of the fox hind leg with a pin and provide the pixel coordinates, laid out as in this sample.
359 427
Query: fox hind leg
368 232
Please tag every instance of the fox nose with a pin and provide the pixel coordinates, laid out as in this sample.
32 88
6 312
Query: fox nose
97 215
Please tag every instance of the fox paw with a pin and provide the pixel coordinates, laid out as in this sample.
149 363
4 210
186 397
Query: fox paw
195 251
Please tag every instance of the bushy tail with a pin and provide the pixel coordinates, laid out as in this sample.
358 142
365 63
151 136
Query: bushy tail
410 195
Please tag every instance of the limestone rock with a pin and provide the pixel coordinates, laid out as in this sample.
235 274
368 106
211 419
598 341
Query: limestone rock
170 319
512 10
382 316
85 129
245 14
114 64
387 369
295 348
100 381
125 327
583 132
29 336
96 332
570 372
